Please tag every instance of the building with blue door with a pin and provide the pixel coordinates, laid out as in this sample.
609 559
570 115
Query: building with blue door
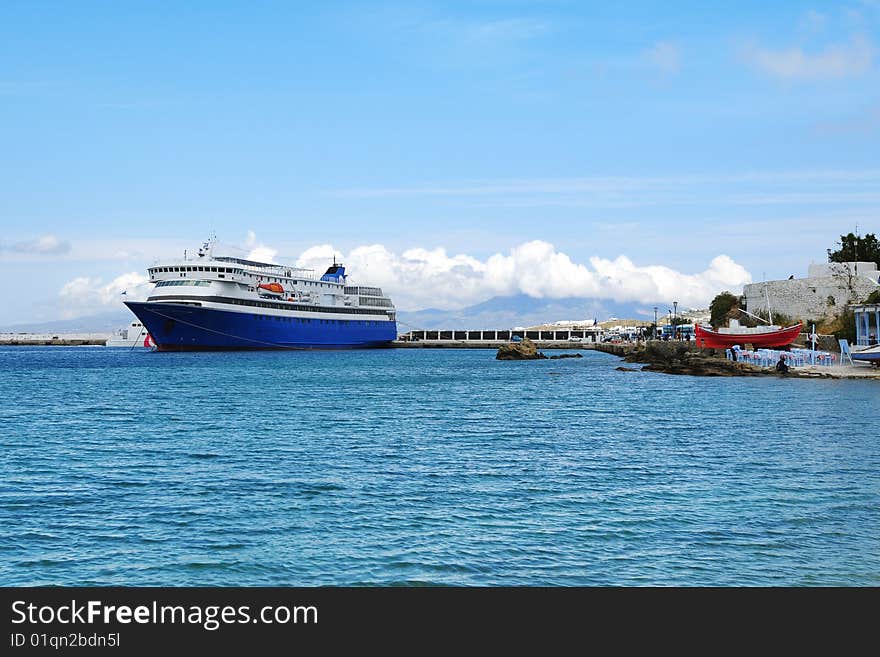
867 316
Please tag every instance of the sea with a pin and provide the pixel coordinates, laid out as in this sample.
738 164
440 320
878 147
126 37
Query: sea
422 467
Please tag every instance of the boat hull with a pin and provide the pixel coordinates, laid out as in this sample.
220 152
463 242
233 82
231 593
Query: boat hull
178 327
869 355
714 340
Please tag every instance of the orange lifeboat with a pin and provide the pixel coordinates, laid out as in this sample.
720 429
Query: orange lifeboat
273 288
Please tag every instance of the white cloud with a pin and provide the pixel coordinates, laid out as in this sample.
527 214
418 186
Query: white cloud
258 251
852 58
665 57
431 278
85 296
422 278
262 254
44 245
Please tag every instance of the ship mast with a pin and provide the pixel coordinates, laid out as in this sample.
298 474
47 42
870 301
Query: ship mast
767 296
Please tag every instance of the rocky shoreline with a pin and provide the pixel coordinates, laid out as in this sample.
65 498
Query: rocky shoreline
687 358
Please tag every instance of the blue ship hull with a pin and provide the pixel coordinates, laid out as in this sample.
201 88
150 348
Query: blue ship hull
178 327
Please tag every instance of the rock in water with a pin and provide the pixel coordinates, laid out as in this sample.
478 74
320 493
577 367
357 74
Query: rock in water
525 350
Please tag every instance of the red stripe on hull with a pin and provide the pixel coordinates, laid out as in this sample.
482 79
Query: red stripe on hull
714 340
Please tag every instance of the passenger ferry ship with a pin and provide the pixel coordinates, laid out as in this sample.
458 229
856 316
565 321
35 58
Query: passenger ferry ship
219 302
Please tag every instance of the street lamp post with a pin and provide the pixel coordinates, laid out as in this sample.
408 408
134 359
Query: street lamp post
675 332
655 322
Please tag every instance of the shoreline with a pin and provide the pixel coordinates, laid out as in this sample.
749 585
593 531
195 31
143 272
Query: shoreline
686 358
679 358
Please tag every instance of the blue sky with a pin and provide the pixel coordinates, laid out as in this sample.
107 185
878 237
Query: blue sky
670 134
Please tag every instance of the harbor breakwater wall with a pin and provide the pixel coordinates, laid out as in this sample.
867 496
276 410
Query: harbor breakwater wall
53 340
486 344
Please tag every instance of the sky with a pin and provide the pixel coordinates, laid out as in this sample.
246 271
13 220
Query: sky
449 151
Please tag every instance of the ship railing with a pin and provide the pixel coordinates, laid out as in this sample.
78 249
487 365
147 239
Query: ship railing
280 272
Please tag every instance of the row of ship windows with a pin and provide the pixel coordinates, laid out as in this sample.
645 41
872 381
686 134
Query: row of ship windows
279 306
369 291
318 309
300 320
224 270
372 301
230 270
189 283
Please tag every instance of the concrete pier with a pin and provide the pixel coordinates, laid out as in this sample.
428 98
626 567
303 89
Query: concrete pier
486 344
492 339
50 339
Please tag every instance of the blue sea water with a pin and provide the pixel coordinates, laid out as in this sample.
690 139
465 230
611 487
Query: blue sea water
427 467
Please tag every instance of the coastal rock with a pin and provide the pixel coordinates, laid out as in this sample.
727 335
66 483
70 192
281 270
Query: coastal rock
524 350
626 369
566 356
686 358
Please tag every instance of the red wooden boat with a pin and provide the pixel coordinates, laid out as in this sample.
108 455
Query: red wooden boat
769 337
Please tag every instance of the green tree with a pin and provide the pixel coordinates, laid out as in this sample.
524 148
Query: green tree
847 330
874 297
721 306
852 248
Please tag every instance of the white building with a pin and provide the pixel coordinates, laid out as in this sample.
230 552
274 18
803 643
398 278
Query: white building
822 294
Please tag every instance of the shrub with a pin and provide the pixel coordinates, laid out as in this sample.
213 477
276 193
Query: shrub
721 307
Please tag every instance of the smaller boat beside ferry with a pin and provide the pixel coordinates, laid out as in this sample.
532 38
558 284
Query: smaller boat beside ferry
133 335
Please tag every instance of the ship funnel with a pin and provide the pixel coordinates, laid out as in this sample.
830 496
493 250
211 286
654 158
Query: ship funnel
335 273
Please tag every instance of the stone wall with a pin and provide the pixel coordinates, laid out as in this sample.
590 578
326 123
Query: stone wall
827 269
807 298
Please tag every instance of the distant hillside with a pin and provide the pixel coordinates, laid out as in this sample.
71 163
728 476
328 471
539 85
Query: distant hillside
103 323
523 310
498 312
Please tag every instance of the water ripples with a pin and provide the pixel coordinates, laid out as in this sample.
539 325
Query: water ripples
421 467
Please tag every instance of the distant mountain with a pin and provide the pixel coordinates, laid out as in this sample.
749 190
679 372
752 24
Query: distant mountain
103 323
496 313
523 310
